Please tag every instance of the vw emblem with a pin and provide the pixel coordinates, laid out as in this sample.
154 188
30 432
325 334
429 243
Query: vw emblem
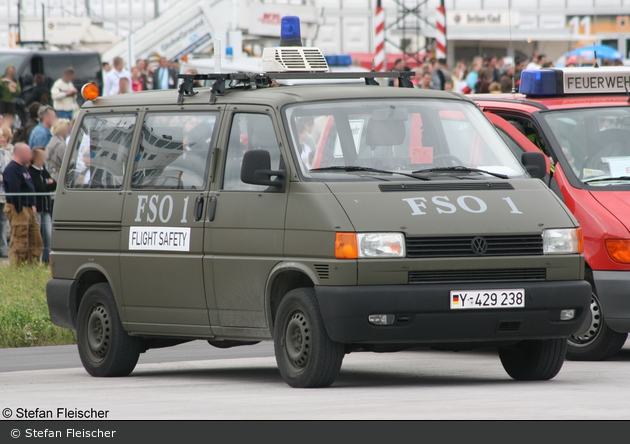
479 245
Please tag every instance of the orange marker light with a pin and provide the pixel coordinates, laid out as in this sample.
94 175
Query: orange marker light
89 91
346 246
619 250
580 239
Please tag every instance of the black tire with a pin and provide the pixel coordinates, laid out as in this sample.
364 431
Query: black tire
104 346
599 342
306 356
534 360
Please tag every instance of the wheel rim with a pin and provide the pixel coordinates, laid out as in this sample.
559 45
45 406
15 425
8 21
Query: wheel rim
98 332
593 330
297 340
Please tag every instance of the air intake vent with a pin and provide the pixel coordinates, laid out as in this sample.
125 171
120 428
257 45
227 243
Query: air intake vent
322 271
463 246
509 326
458 186
461 276
293 58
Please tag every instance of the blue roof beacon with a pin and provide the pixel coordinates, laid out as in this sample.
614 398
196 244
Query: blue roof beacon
290 31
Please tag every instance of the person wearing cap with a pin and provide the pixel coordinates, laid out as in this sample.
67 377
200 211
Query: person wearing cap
64 95
572 62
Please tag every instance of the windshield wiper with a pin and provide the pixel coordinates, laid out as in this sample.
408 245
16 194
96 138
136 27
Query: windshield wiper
351 169
462 169
606 179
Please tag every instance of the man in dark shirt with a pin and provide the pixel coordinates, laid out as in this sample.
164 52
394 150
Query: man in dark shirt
26 239
41 93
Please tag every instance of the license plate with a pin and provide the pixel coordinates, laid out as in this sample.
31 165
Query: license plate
469 299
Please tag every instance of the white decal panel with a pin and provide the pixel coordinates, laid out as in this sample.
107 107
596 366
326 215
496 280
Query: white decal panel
159 238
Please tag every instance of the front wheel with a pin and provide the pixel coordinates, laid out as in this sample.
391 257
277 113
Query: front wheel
305 354
534 360
105 348
599 341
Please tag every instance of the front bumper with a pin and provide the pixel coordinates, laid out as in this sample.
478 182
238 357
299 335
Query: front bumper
430 320
613 291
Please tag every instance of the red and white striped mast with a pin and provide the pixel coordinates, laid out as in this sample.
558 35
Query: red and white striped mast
440 35
379 39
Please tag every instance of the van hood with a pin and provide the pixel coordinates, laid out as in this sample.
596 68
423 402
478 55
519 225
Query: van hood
617 203
447 208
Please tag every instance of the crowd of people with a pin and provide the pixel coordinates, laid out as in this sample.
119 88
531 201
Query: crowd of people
31 154
144 75
488 74
29 170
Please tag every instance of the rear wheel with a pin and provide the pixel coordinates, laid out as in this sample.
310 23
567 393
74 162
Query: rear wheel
305 354
534 360
105 348
598 342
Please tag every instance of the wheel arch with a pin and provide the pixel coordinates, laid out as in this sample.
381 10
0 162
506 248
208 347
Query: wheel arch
285 277
90 274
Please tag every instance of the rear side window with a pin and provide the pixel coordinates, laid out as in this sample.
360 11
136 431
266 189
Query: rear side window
174 151
100 152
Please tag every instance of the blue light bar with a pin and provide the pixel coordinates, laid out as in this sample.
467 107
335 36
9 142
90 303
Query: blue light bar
338 60
542 82
290 31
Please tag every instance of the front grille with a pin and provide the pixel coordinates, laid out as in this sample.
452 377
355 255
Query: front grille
462 276
462 246
448 186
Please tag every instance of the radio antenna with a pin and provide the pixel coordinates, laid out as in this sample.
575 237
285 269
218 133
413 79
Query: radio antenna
512 47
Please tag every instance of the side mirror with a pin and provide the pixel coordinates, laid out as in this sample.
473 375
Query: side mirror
535 164
256 170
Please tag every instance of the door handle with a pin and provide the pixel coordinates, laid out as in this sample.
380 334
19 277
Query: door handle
212 208
199 209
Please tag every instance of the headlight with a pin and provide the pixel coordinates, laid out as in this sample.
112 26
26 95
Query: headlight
369 245
381 244
563 241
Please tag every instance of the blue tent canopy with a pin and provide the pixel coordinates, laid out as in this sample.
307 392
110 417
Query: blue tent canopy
588 52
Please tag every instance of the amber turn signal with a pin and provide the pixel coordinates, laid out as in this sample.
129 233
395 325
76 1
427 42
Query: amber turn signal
346 246
619 250
580 240
89 91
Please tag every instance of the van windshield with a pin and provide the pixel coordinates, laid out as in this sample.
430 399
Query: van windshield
341 140
594 142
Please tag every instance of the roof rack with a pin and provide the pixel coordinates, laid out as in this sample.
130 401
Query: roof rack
250 81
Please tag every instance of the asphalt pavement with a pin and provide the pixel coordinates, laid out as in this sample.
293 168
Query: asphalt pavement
197 381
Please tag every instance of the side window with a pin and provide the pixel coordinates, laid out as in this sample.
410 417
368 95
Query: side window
249 132
174 151
100 152
531 131
514 147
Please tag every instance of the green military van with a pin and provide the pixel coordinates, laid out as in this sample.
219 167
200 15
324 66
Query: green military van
329 218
